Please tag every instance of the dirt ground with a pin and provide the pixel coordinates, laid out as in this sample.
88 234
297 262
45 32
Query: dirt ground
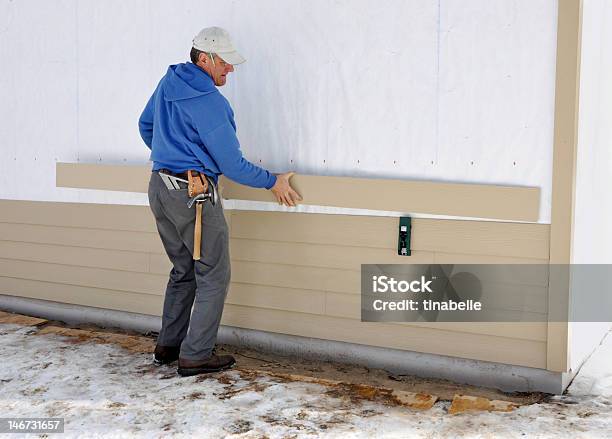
102 382
253 361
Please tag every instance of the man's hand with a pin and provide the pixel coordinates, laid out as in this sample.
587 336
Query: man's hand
283 191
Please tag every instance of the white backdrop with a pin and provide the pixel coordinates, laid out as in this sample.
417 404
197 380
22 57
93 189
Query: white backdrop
447 90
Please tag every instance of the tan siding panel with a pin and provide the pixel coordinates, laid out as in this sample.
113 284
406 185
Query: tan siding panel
532 301
78 256
440 198
517 274
494 295
159 264
294 276
459 258
533 331
432 235
319 255
359 231
80 295
351 258
349 306
448 236
481 237
84 276
481 347
85 215
474 346
288 299
285 284
125 178
453 199
81 237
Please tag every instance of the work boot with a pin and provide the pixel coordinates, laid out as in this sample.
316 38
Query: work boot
165 354
215 363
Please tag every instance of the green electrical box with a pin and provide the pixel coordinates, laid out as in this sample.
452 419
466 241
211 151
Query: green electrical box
403 242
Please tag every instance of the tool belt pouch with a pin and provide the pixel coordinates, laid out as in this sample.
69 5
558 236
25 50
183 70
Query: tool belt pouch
198 184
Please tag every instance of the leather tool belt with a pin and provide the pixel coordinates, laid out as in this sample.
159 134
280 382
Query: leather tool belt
198 183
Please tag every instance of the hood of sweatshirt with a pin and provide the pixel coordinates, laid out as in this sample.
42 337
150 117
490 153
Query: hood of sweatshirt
186 81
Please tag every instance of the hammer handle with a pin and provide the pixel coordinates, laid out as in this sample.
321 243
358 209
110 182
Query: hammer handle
197 233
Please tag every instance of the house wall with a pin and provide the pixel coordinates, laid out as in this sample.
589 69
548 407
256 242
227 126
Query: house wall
419 89
592 239
463 92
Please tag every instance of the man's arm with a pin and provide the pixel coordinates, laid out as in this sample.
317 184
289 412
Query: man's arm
223 146
145 123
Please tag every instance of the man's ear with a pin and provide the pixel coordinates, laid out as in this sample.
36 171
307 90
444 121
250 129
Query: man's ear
202 58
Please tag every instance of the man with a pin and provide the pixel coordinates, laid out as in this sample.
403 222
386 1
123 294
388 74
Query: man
189 125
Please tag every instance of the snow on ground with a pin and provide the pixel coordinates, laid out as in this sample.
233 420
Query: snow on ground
105 391
595 377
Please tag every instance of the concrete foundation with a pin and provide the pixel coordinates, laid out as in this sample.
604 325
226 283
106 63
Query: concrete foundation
481 373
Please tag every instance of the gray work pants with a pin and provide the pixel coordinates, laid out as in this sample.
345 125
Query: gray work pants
200 284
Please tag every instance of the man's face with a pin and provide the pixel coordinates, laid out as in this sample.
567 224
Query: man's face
219 70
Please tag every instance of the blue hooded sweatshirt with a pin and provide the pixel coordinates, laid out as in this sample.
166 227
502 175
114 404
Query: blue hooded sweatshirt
188 124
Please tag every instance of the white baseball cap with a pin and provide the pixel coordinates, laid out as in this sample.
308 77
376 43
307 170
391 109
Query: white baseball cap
217 40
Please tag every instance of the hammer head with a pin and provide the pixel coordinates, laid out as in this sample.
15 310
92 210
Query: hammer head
210 194
199 198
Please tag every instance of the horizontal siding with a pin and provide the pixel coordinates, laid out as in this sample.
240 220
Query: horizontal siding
309 271
445 236
304 255
482 238
77 256
283 298
320 255
81 237
125 178
144 283
431 235
83 215
529 353
115 217
296 276
350 258
451 199
457 344
286 299
349 307
81 295
532 301
441 198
